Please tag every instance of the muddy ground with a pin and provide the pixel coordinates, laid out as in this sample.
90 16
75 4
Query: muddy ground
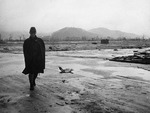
97 85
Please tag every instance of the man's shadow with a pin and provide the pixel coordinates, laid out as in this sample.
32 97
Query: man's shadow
34 102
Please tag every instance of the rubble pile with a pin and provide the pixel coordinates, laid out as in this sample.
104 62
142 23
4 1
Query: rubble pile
138 57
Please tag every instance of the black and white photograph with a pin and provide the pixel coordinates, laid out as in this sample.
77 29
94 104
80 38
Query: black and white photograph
74 56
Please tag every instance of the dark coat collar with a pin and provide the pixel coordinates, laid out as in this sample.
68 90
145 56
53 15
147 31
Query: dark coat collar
35 38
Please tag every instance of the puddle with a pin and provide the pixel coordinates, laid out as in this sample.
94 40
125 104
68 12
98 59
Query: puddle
127 72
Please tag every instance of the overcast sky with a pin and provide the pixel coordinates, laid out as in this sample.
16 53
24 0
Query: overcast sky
50 15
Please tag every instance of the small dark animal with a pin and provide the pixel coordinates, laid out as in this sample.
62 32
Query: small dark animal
67 70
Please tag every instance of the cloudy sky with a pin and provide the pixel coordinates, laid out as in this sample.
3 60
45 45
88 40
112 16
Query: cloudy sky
50 15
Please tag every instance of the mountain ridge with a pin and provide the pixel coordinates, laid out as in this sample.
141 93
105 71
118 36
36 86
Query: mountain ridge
75 33
71 32
104 32
79 33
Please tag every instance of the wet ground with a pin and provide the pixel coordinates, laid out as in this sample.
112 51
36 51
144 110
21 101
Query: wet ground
97 85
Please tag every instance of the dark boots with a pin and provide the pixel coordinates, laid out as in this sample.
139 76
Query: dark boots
32 78
35 76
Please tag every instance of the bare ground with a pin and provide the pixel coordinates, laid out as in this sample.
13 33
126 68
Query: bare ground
94 87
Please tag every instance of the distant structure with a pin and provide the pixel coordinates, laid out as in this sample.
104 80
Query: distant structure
20 38
10 37
1 40
104 41
0 37
23 37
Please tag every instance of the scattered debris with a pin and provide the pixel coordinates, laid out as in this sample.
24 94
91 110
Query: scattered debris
60 97
64 81
60 104
58 48
67 70
115 49
6 49
94 42
138 57
144 93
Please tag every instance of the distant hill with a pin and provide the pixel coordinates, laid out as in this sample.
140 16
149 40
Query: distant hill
104 32
71 33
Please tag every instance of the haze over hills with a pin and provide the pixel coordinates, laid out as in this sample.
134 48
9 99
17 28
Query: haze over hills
72 33
104 32
78 33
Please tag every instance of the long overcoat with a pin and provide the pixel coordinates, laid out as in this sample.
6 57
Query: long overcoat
34 55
